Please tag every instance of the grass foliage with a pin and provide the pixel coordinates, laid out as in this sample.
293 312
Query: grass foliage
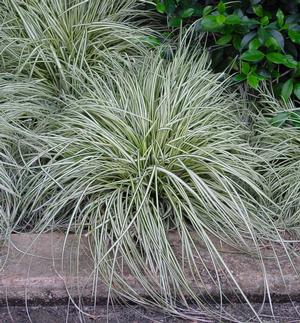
105 138
8 193
167 132
51 40
277 139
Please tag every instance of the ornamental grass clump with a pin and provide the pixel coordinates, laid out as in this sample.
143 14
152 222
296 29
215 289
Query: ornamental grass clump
153 148
25 107
51 40
25 103
276 137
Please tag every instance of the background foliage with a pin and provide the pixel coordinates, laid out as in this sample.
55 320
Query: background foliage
259 39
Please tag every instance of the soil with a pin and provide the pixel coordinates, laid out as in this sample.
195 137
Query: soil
284 313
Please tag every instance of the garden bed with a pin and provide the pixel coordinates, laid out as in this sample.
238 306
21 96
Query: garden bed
135 136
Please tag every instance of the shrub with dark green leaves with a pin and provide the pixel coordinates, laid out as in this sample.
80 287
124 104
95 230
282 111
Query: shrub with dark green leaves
260 39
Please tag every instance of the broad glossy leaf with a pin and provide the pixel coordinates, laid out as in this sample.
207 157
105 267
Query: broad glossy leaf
254 44
209 23
258 10
278 37
297 90
160 7
233 20
221 7
207 10
221 19
276 58
247 38
292 19
272 44
272 26
264 20
236 41
294 35
280 17
251 23
253 80
187 12
263 35
290 62
279 119
224 39
153 41
245 68
264 73
175 21
240 77
287 89
252 55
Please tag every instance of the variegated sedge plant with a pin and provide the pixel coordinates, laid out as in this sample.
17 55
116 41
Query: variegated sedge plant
276 138
24 106
151 148
8 193
52 39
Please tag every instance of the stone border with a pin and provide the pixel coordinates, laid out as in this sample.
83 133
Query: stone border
33 272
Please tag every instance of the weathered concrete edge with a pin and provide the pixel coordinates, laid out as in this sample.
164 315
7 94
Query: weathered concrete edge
33 273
